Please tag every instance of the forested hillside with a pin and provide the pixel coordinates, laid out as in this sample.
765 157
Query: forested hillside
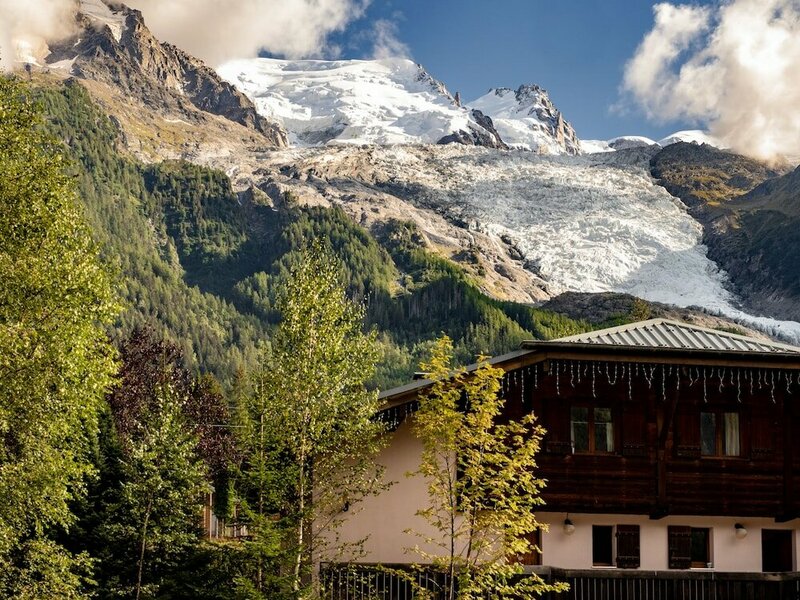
200 263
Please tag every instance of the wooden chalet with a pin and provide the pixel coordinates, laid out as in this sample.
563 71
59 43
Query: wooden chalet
670 456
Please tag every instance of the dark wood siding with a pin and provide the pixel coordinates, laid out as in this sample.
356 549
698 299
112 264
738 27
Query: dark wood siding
657 467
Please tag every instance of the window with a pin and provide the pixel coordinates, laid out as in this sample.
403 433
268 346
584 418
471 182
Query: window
701 548
602 545
719 434
776 550
591 430
689 547
626 548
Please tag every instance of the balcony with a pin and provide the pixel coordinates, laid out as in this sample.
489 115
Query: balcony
398 582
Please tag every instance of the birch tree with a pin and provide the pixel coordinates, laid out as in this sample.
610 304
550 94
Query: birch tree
312 437
482 484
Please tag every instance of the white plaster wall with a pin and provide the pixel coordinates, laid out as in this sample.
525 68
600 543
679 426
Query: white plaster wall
728 553
384 519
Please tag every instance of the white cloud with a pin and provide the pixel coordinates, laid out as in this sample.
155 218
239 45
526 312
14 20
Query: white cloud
732 68
386 41
25 24
219 31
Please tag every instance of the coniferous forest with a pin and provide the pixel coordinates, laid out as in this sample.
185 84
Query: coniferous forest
153 325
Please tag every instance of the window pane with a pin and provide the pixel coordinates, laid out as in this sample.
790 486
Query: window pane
700 554
580 429
731 434
602 545
603 430
708 434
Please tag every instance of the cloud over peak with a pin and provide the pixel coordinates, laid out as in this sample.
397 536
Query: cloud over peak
219 31
732 67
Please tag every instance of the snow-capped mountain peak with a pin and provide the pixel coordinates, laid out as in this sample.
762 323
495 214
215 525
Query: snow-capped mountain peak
526 118
691 136
388 101
625 142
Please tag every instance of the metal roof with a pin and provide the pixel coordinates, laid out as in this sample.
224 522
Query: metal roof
422 383
663 333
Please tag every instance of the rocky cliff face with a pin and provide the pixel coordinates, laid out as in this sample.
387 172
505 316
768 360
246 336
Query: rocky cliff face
114 46
756 238
480 132
538 104
750 214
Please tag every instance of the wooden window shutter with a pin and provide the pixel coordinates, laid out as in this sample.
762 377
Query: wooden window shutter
688 434
628 547
680 546
762 437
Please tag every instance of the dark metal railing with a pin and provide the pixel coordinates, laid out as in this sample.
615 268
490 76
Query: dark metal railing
403 582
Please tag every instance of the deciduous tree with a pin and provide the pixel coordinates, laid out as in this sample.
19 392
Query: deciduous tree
56 363
311 437
482 484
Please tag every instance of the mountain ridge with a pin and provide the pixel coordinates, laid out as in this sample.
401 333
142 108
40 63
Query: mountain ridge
114 46
527 119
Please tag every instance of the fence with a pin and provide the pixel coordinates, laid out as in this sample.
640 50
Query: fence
394 582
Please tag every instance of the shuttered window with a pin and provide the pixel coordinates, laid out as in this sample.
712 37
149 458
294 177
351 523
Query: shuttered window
680 546
628 547
688 442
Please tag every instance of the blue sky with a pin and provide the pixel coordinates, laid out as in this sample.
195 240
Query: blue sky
576 49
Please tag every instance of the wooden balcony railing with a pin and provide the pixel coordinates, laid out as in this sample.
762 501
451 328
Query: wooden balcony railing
400 582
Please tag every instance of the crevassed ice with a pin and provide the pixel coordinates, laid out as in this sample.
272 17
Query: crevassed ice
591 223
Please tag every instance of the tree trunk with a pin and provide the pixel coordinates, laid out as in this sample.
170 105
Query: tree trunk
144 545
301 525
451 592
260 568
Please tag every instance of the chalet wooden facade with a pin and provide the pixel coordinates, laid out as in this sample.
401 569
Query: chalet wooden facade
669 447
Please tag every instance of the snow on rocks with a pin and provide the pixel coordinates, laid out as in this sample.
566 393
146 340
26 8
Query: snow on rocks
693 136
527 119
389 101
590 223
99 12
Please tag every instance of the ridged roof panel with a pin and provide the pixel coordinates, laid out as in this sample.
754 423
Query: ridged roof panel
663 333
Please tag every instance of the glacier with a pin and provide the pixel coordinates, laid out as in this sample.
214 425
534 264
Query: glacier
588 223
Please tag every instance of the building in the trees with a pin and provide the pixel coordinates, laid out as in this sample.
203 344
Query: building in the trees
672 454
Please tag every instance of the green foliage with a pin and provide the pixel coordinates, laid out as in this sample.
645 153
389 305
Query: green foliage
41 568
203 268
163 483
55 360
482 485
131 218
308 433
